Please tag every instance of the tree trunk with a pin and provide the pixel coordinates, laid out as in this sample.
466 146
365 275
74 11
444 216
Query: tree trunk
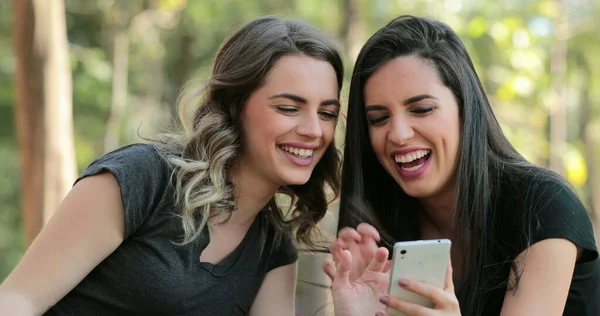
351 30
119 86
591 143
183 67
586 135
43 112
558 67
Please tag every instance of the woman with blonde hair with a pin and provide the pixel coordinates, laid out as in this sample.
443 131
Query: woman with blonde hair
190 225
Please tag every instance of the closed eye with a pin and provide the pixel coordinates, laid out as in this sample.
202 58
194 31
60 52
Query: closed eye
422 110
328 115
376 120
287 109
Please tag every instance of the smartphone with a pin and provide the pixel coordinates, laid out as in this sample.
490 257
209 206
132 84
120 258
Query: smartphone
419 260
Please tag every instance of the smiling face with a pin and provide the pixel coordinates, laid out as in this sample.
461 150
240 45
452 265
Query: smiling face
290 121
414 126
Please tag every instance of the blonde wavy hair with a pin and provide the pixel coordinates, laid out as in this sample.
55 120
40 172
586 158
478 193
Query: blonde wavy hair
210 146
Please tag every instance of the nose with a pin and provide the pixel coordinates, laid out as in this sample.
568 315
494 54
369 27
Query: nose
401 131
310 126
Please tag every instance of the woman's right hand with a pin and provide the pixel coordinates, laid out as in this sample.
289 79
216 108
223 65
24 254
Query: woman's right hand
362 244
361 296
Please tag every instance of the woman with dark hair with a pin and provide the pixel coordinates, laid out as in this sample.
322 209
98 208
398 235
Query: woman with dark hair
189 225
425 158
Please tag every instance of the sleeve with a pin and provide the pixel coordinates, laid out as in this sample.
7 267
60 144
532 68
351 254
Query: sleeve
286 253
558 213
142 175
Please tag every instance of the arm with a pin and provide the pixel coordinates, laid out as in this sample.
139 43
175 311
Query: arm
276 293
85 229
547 268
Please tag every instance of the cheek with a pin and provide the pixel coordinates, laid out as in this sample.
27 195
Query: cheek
455 141
261 132
328 130
377 137
259 138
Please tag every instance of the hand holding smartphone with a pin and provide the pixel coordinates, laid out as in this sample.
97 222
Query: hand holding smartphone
421 260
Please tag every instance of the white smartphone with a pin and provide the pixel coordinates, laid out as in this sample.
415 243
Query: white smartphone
420 260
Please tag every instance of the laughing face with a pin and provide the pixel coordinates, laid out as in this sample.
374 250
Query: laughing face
414 126
290 121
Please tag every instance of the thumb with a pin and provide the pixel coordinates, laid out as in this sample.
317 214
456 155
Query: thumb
449 277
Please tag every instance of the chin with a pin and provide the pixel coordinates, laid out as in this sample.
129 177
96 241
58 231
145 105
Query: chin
416 192
299 179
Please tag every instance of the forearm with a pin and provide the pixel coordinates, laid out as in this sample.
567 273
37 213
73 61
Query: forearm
12 303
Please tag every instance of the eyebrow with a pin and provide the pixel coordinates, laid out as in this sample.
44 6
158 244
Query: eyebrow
418 98
302 100
408 101
375 108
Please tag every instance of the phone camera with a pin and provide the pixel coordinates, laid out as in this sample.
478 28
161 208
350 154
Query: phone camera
403 252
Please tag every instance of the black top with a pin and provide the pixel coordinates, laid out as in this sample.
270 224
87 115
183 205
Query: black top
555 212
148 274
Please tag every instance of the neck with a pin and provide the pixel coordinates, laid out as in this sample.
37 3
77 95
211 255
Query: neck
440 212
251 193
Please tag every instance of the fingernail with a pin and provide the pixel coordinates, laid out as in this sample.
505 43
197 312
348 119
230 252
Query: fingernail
384 299
379 314
403 282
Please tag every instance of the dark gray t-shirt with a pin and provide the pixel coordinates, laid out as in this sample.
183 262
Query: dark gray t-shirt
556 213
148 274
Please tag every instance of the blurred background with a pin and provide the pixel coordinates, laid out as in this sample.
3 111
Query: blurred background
79 78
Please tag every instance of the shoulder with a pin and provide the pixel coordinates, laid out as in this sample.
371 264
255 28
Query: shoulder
143 176
548 194
138 152
129 163
550 208
536 189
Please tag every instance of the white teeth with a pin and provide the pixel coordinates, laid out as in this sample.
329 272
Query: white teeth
300 152
411 157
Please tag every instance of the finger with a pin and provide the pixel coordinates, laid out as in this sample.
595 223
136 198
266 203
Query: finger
378 262
349 238
388 266
435 294
334 248
348 234
337 246
368 244
346 238
329 269
342 275
449 278
365 229
405 307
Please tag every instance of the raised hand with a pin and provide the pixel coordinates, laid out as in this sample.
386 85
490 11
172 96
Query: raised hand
445 301
359 297
362 244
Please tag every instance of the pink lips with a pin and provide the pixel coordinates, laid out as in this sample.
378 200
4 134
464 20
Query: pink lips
300 145
303 162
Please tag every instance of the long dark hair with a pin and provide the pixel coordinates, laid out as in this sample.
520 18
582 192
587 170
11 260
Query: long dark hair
370 194
212 144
